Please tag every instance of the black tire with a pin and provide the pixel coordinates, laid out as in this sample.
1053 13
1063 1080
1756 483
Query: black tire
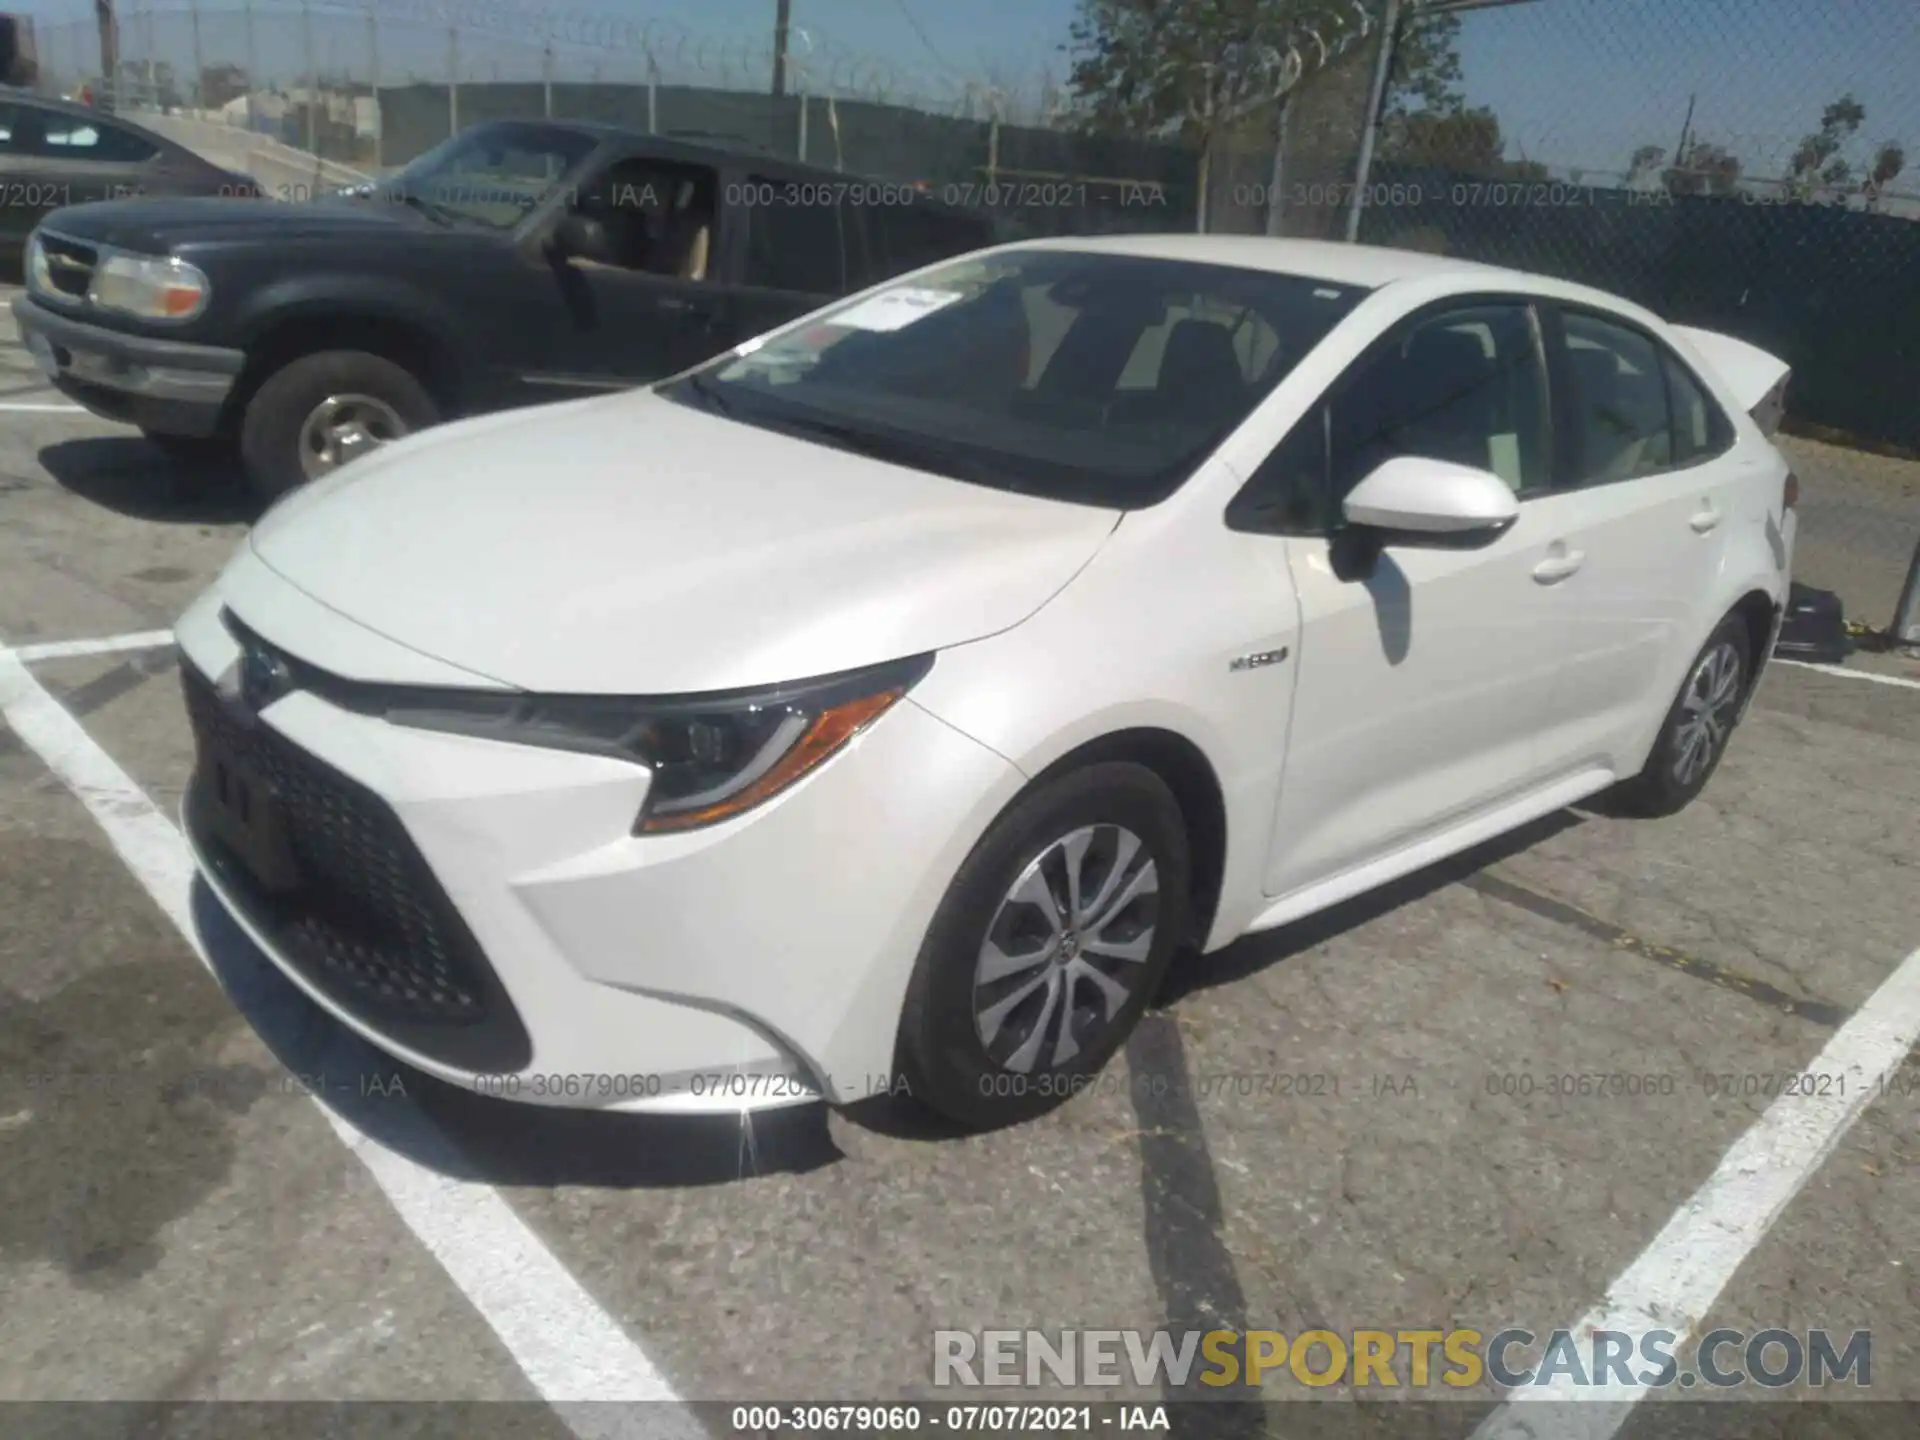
1667 786
943 1060
278 410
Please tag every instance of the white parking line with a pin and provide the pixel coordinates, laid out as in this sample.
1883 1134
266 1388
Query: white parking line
1676 1279
108 645
1877 679
568 1347
28 407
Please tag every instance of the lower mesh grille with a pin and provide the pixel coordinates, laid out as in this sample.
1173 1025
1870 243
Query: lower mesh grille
362 917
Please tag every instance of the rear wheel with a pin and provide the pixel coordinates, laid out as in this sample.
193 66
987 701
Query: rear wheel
322 411
1696 731
1049 945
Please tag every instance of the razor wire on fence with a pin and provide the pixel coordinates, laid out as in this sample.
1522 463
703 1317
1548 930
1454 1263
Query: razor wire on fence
1551 135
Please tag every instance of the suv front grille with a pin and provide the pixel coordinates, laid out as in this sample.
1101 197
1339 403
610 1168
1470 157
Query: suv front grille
364 920
69 263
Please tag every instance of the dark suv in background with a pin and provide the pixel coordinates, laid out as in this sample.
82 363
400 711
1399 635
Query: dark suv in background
518 262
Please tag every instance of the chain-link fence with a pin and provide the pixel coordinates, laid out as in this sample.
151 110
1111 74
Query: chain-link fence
1719 162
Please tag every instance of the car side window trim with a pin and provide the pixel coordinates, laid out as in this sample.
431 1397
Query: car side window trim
1250 511
1568 421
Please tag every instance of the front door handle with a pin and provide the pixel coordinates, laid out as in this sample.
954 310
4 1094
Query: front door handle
1706 518
1555 568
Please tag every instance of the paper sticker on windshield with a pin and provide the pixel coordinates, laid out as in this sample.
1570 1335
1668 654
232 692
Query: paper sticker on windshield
896 309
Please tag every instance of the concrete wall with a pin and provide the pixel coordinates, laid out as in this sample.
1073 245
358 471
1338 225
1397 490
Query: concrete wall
283 172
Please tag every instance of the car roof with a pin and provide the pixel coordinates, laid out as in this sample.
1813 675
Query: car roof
1369 267
1338 263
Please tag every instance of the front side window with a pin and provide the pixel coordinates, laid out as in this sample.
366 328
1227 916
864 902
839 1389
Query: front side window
1465 385
1082 376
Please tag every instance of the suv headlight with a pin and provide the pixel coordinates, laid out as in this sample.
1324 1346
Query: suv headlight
152 287
712 756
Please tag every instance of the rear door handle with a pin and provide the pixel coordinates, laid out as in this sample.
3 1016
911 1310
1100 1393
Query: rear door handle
1705 519
1556 568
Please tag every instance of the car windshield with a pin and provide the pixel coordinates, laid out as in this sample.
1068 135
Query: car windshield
1083 376
491 175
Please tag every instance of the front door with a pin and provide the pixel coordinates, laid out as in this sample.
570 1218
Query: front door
1424 676
649 300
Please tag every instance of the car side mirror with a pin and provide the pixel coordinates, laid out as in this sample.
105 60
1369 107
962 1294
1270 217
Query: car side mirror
1409 500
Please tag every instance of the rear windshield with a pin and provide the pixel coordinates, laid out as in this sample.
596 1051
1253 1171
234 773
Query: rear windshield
1095 378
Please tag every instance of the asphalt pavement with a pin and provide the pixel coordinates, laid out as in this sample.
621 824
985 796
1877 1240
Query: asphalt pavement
208 1190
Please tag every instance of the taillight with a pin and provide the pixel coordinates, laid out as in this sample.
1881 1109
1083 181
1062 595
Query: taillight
1791 497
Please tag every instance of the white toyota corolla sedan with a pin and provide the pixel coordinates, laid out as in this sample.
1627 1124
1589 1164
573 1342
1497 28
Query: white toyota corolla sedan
888 703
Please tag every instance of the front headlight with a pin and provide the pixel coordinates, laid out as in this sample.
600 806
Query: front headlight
152 287
712 756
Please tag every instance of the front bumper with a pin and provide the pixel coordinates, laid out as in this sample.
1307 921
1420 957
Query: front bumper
759 963
166 386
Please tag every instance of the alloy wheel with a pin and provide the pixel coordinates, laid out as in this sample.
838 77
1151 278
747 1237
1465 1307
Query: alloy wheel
1707 709
1067 948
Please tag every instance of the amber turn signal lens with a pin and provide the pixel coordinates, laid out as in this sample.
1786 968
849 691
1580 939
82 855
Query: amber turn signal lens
830 730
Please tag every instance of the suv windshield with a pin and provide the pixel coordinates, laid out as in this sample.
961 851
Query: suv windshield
491 175
1082 376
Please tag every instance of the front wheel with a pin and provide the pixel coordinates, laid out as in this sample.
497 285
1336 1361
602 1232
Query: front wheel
322 411
1694 736
1049 945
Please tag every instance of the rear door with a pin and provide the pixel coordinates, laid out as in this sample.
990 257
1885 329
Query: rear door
1643 494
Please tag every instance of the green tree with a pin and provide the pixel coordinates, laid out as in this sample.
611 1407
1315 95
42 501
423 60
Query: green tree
1888 161
1703 168
1817 161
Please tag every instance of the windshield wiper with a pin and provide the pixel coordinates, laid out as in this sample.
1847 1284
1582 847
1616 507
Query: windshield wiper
439 214
710 394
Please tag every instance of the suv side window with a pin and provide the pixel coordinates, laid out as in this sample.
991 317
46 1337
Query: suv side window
1465 384
905 237
792 244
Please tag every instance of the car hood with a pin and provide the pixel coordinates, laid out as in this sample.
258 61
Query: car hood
632 545
155 224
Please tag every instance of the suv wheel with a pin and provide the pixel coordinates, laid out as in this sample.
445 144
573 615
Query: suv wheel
1694 737
1050 943
322 411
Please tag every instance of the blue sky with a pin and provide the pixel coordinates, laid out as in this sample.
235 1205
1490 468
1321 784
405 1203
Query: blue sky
1576 83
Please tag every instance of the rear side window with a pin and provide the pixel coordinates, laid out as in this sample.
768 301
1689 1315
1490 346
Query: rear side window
83 138
1701 429
796 237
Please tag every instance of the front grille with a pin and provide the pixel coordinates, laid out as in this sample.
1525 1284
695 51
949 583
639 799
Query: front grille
364 919
70 263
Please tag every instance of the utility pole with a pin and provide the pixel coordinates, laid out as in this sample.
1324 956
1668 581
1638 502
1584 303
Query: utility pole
109 51
1398 15
199 64
782 26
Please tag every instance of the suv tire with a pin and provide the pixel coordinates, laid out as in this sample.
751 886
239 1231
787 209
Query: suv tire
284 413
